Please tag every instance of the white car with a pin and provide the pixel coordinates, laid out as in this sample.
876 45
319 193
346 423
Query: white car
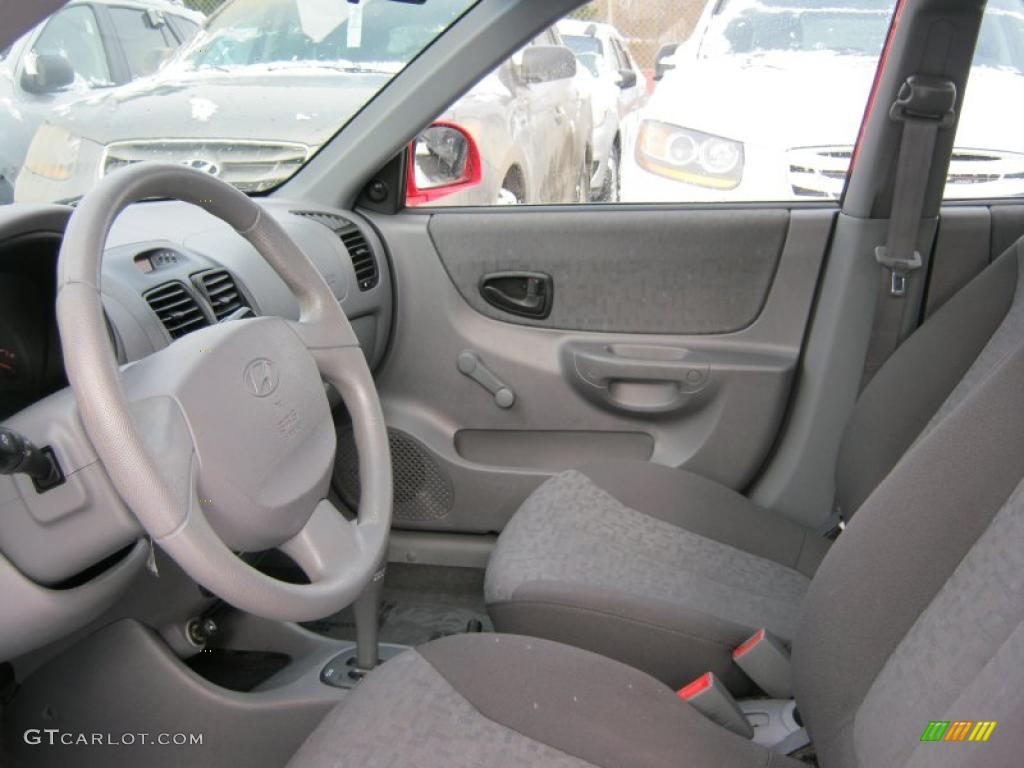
618 89
805 68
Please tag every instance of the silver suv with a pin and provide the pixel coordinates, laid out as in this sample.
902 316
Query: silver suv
88 44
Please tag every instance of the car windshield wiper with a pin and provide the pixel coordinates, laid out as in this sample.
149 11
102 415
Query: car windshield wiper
338 67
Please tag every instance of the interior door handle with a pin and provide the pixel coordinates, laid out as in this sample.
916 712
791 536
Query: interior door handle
527 294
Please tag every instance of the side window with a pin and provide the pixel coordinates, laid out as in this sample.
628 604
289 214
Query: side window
988 155
74 35
621 59
739 115
146 38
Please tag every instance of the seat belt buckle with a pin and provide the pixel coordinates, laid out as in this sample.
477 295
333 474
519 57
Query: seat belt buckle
900 268
713 700
765 660
834 530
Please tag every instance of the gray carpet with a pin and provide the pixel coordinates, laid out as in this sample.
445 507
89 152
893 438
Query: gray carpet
421 603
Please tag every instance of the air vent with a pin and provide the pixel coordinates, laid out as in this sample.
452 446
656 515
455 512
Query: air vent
222 292
363 260
177 309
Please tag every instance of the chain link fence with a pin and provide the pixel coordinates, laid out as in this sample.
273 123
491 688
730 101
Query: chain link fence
645 24
205 6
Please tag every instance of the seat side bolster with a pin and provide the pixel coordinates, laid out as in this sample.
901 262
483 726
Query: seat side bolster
909 389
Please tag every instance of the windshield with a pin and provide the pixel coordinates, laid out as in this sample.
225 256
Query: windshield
588 51
583 44
749 27
379 35
261 87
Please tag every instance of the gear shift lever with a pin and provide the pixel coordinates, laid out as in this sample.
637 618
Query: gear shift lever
367 614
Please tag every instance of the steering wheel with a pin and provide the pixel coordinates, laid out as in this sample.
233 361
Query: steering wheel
223 441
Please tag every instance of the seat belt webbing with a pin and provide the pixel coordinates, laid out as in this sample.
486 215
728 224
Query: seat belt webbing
925 105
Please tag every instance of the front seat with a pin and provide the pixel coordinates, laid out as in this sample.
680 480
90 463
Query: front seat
915 615
668 571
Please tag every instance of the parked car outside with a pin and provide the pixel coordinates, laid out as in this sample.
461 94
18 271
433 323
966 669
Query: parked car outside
538 92
619 89
663 60
305 80
806 67
88 44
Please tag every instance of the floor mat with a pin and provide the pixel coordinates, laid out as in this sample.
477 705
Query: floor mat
421 603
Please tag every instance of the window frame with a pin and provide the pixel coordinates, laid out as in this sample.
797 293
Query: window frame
110 11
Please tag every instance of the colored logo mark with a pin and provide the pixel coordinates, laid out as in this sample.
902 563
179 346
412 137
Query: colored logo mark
958 730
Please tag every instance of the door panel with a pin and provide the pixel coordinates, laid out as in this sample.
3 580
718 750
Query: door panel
708 402
968 239
691 272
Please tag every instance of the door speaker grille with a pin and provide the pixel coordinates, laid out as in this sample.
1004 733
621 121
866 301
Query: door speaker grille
423 491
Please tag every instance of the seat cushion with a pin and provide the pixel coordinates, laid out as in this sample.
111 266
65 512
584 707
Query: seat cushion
503 700
658 568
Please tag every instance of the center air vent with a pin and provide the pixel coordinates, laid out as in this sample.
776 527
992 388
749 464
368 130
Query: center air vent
177 308
363 260
221 290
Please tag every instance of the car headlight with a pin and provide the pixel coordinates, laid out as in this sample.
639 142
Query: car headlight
53 153
687 155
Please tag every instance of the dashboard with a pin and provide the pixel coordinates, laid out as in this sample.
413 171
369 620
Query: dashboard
30 361
168 269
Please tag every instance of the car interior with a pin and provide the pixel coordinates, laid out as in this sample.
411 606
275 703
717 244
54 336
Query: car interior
317 477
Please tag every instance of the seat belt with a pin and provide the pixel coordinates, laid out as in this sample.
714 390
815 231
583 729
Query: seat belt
924 105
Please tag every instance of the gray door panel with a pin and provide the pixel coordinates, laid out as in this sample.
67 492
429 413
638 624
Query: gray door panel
1007 226
962 250
689 272
709 402
969 238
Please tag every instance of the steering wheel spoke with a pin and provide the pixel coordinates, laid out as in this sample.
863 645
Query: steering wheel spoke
329 544
164 432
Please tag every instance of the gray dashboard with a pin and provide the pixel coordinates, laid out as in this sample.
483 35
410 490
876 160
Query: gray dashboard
337 241
169 268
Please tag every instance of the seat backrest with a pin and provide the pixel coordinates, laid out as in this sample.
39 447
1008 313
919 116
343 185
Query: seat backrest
903 399
917 613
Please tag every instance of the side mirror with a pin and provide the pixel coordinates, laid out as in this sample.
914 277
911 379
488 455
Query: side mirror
544 63
52 72
444 159
627 78
661 66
